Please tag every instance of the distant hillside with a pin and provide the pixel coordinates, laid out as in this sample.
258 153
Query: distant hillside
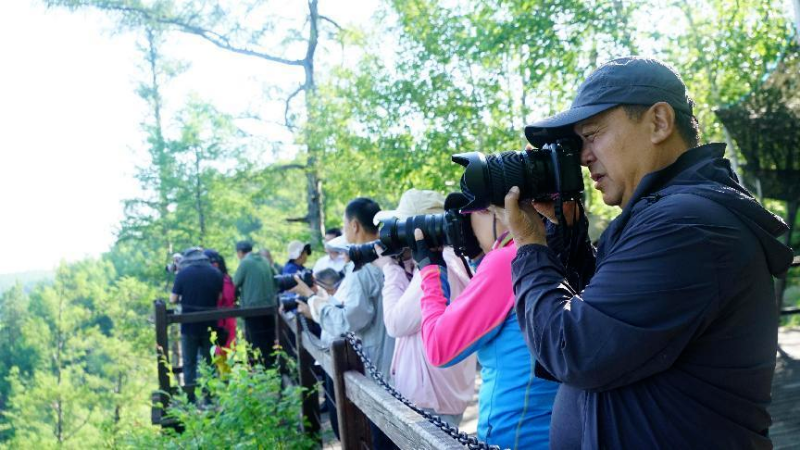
28 279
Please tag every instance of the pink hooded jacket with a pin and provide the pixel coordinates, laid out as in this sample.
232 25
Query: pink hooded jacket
444 390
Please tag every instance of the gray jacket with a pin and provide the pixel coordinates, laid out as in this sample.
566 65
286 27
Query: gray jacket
358 307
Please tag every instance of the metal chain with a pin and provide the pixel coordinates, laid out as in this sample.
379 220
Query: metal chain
471 442
309 337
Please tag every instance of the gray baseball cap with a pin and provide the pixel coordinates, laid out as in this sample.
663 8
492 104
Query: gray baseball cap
623 81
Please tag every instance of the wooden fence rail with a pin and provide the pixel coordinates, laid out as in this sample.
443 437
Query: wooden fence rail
357 396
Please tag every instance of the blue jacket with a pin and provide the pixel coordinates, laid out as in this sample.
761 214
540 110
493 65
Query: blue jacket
515 407
672 343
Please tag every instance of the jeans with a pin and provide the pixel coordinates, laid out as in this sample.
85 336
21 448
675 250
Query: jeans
191 344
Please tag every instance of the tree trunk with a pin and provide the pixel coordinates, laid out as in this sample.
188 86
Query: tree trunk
316 214
198 198
160 146
59 403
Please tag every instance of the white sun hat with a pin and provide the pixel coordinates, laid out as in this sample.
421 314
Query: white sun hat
338 244
414 202
296 248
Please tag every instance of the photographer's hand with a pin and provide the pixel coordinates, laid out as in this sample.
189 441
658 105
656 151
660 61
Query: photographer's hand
425 256
301 288
303 309
382 261
548 210
523 220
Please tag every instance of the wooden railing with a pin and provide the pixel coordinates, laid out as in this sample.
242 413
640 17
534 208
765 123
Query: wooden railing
357 396
792 309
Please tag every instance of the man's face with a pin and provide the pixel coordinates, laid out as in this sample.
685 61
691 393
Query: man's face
240 254
329 237
302 258
617 152
349 233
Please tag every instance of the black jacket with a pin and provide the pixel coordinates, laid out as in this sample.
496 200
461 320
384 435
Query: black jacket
672 343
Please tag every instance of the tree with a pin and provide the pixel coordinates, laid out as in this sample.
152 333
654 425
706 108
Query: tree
221 24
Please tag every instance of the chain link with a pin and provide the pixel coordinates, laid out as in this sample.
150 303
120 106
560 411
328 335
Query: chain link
309 336
462 437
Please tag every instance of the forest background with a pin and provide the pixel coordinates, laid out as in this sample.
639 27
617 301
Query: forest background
373 110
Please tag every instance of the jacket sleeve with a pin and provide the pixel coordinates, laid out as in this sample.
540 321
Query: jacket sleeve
355 311
401 308
452 332
649 296
238 277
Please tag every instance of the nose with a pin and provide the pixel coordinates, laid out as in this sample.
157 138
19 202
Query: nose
587 157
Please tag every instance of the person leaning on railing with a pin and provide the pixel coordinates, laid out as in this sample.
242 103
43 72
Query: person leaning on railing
198 287
445 391
357 306
327 284
254 281
514 407
226 327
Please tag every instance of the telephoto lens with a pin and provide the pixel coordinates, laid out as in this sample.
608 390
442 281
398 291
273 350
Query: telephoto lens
362 254
286 282
540 174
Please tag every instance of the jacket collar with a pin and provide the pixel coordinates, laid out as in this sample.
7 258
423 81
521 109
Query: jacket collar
654 182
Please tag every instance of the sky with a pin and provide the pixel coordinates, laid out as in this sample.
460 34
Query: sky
70 136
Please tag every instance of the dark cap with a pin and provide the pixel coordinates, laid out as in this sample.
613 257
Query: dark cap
624 81
244 246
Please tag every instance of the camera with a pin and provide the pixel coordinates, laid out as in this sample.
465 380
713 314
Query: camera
450 228
289 301
553 169
286 282
174 265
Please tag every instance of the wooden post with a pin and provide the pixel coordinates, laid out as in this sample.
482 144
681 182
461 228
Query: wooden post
305 372
162 345
353 426
162 352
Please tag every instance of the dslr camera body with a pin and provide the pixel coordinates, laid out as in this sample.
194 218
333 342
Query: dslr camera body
450 228
286 282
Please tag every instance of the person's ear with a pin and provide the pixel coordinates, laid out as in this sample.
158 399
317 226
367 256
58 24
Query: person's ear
662 122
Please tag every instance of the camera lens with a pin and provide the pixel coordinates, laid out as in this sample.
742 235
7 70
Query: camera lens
363 253
286 282
541 173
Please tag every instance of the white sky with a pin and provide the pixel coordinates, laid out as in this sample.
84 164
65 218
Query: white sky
70 123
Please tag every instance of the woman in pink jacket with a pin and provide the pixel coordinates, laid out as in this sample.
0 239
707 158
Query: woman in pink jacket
226 300
442 391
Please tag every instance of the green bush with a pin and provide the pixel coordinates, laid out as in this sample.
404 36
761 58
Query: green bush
242 407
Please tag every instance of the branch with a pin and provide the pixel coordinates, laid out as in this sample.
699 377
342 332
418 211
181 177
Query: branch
213 37
75 431
288 104
298 219
331 21
286 167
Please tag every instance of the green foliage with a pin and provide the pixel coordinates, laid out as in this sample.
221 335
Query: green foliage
79 362
245 408
438 77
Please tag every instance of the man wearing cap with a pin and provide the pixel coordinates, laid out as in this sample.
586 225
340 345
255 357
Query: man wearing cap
298 255
198 287
256 287
671 342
